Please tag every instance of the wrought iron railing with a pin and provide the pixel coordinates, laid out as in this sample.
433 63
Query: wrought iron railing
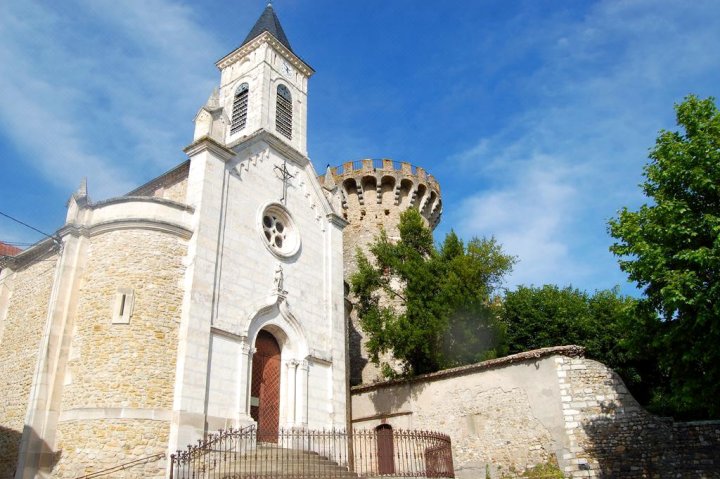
328 454
124 466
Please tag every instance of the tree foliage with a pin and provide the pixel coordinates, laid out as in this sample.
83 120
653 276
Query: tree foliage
428 306
540 317
671 248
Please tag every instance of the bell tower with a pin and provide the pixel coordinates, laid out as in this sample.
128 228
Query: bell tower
263 86
264 259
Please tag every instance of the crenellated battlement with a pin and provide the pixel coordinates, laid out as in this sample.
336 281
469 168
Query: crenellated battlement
392 185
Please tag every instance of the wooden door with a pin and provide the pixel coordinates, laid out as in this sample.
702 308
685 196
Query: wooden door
385 449
265 388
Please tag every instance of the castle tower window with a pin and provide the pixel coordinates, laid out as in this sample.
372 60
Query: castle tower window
240 107
283 111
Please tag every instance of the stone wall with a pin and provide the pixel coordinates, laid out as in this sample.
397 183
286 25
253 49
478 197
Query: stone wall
25 297
127 365
611 435
550 406
111 443
502 415
170 186
119 382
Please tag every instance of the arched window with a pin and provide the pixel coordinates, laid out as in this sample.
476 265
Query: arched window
283 111
240 106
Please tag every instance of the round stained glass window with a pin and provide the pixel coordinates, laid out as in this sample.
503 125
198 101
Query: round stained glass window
278 230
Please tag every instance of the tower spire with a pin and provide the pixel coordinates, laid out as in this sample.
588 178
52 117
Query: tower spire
268 22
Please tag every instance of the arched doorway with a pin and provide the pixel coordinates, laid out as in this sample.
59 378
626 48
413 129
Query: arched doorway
385 449
265 387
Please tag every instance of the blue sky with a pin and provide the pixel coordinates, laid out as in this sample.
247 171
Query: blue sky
535 116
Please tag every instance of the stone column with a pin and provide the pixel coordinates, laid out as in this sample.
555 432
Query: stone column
291 395
243 397
302 389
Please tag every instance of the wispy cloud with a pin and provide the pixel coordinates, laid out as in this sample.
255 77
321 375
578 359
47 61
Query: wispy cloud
543 196
99 94
554 175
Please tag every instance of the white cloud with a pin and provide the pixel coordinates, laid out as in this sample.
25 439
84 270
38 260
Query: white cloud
553 176
527 216
101 94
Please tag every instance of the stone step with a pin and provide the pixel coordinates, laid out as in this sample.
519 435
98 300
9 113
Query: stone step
270 461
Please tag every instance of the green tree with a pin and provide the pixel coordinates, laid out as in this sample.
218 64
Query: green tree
671 248
428 306
540 317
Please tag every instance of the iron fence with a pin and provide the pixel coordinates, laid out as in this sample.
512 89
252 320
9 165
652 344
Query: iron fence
300 454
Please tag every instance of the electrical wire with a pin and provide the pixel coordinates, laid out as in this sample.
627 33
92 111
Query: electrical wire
54 238
16 243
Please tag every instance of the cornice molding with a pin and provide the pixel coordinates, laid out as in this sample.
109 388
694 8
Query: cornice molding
265 37
125 224
93 414
337 220
40 250
143 199
273 142
206 143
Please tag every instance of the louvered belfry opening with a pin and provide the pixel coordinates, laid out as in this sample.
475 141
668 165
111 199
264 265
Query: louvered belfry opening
240 108
265 388
283 112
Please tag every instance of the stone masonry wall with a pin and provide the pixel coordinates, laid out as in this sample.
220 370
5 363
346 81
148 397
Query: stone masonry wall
170 186
120 378
127 365
546 406
176 191
503 416
19 346
109 443
611 435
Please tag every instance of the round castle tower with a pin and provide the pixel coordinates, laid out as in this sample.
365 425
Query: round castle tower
374 193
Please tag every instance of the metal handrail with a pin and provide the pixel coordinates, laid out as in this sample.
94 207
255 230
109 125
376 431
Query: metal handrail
120 467
299 453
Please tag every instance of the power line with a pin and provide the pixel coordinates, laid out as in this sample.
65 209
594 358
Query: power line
54 238
16 243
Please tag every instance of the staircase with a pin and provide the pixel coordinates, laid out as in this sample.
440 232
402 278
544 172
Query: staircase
306 454
271 461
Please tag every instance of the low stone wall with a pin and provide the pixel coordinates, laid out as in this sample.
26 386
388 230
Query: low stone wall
549 406
611 435
502 415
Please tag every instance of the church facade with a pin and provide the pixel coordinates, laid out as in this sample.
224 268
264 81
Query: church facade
211 297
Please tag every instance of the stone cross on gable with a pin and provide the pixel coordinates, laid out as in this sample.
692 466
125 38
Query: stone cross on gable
284 175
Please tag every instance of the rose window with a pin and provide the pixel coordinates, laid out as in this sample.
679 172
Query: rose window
278 230
274 230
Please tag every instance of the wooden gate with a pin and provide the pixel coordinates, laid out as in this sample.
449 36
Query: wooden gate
265 388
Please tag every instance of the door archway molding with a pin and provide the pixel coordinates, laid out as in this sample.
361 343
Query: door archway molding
274 315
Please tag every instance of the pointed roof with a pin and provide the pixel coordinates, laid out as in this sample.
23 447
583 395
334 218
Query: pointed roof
268 22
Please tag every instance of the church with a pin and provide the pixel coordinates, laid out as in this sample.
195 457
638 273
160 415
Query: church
214 298
210 297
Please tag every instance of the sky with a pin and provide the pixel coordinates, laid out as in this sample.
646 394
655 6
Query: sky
535 116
